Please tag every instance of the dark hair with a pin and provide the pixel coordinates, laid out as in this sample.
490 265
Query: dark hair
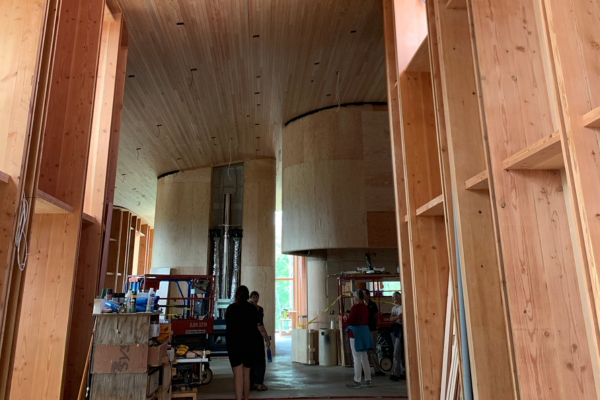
254 293
367 292
359 294
241 294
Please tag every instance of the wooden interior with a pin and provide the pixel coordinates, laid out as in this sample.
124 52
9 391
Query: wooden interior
458 138
261 77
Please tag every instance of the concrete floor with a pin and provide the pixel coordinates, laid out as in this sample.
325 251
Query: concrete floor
287 380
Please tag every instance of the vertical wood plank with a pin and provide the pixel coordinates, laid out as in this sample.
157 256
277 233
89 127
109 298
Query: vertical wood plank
408 304
486 325
429 255
574 36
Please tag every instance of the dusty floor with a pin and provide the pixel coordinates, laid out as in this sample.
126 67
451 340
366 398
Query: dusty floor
291 380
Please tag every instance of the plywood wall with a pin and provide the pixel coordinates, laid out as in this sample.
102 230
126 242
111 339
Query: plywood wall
338 180
183 205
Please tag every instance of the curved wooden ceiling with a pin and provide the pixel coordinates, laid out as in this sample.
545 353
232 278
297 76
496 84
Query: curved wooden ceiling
223 76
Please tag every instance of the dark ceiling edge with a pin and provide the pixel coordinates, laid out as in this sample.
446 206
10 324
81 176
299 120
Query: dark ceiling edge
364 103
168 173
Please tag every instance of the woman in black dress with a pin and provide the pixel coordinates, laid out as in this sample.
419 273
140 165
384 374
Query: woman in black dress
242 329
257 372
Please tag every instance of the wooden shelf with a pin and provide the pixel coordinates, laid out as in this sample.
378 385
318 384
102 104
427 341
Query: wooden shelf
456 4
4 177
46 204
88 219
543 154
434 208
420 60
592 119
478 182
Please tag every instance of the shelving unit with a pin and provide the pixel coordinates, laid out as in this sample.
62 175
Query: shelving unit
478 182
546 153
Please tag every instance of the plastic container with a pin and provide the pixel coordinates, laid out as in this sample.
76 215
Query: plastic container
328 347
150 301
132 308
269 356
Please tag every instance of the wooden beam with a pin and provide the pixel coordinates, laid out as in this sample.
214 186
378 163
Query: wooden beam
546 153
408 299
573 33
472 225
592 118
428 245
433 208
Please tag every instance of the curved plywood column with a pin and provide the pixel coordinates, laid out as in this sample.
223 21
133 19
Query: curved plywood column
338 181
258 244
182 220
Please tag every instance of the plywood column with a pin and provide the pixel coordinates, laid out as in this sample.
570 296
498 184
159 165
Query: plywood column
182 218
552 350
258 243
316 278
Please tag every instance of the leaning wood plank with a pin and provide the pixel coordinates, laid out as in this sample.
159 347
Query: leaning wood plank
408 300
478 182
592 119
546 153
432 209
46 204
4 177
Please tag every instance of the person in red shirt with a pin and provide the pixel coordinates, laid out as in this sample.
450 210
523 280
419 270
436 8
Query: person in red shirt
360 340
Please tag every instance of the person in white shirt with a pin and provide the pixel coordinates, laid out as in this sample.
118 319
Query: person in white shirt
398 371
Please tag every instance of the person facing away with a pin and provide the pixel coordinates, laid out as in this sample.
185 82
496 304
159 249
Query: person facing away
372 323
360 340
398 371
242 327
257 372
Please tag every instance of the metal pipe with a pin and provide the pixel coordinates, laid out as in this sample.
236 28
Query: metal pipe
216 270
226 263
236 235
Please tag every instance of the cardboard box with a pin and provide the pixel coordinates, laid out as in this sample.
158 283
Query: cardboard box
158 355
164 334
152 385
124 359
